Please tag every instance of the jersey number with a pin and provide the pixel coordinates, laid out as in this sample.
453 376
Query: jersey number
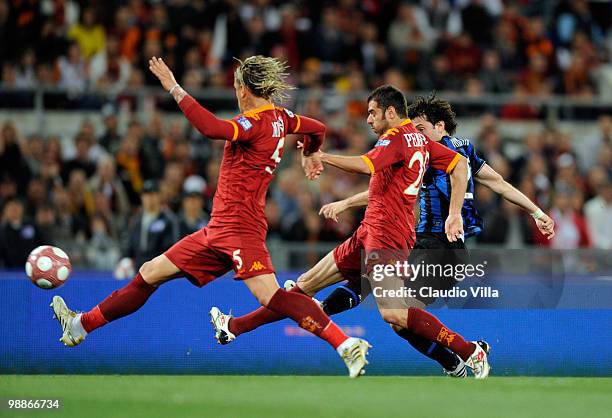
418 156
276 155
237 259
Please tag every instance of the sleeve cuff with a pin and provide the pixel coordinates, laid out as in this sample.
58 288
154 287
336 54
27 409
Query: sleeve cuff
368 163
479 168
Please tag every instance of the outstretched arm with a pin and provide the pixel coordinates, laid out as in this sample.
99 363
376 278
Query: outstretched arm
453 226
494 181
351 164
202 119
332 210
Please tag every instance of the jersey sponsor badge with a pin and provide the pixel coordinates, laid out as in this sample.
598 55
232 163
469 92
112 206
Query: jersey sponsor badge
382 143
245 123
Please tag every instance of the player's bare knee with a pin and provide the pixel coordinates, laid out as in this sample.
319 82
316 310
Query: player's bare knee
150 271
389 316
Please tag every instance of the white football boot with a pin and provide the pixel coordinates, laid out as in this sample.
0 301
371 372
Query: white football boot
353 352
479 361
73 332
220 322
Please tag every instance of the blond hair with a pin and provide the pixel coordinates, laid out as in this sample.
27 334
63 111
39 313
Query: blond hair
264 76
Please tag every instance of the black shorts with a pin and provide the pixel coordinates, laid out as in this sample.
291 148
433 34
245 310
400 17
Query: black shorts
430 249
434 249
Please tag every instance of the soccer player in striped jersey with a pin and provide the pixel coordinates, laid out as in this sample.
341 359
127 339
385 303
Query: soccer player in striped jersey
436 119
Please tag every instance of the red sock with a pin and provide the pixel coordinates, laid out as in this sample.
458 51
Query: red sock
308 315
428 326
120 303
257 318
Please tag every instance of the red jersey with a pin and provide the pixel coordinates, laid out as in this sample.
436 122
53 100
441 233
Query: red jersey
254 147
248 165
398 162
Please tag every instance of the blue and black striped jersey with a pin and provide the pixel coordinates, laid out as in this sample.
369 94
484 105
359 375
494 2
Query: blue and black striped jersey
434 198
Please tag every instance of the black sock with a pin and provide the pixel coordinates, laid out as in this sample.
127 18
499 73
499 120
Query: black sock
340 300
431 349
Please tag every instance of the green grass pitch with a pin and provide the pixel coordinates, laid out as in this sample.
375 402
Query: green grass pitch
309 396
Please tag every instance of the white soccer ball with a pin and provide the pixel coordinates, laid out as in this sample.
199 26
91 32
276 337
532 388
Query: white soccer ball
48 267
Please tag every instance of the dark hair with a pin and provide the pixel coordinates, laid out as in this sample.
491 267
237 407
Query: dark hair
434 110
386 96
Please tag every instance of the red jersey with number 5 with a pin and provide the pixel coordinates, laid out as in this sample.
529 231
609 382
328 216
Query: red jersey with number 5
398 162
247 168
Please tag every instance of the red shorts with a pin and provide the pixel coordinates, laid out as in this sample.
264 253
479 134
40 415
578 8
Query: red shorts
213 251
351 255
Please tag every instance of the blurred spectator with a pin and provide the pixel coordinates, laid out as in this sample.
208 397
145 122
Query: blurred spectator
12 162
25 76
589 147
89 35
463 55
73 71
81 160
477 22
491 76
105 181
36 196
129 163
151 152
598 213
575 16
152 231
409 32
46 222
17 236
571 230
110 138
192 217
109 71
102 251
72 228
34 153
81 197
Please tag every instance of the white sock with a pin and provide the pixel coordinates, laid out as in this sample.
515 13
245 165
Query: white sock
77 327
349 342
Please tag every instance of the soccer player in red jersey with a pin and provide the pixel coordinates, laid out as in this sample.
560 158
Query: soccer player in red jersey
235 237
396 164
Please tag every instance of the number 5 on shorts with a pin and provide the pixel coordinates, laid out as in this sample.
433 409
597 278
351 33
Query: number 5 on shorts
237 259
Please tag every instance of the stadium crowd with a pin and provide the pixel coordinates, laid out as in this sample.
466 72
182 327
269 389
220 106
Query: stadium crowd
130 190
471 46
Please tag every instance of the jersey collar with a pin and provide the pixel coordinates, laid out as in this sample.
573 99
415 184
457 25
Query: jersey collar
259 109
